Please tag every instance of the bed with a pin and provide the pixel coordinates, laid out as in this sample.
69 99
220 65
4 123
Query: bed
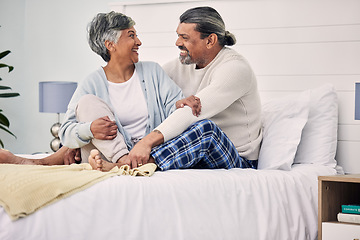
277 201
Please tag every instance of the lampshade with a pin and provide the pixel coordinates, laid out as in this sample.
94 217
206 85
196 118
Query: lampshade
357 101
54 97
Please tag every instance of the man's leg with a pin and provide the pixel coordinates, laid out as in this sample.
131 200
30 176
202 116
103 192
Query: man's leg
56 158
202 145
90 108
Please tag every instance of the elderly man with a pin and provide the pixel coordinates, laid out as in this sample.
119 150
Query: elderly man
221 78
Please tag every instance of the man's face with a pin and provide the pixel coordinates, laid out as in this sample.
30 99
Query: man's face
192 47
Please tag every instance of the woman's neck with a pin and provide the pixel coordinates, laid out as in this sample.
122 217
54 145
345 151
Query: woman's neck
118 73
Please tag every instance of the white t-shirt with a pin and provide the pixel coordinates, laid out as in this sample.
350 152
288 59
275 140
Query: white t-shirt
130 106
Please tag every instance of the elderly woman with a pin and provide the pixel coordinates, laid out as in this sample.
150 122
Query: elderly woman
120 103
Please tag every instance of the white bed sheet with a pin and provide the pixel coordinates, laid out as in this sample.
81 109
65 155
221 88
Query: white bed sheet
183 204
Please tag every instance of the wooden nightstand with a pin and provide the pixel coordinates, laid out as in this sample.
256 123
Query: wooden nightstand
335 191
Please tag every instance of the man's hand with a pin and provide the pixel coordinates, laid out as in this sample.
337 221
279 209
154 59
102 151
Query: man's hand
103 128
124 160
191 101
72 156
140 153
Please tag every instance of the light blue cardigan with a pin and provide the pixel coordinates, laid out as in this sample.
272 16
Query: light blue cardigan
161 94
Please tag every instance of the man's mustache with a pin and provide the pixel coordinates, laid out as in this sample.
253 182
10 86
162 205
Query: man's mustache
183 48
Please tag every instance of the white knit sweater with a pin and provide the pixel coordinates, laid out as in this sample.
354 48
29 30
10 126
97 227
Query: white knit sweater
229 96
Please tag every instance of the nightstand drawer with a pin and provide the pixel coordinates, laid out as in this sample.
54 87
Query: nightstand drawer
343 231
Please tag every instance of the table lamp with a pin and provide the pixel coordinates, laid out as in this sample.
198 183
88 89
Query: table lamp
357 101
54 97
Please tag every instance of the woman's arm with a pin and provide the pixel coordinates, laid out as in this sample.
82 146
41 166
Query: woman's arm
72 133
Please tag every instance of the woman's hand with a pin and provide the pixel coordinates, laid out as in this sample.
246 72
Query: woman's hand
191 101
103 128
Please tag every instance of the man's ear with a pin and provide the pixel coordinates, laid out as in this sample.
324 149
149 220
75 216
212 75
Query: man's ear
212 40
109 45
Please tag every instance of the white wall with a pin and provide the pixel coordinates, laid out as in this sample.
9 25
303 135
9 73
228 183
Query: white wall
48 43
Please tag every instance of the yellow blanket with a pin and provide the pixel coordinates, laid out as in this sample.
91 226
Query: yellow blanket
26 188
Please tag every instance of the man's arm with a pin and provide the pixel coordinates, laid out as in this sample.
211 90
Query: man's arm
229 82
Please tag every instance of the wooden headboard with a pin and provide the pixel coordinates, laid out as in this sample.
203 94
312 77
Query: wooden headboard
291 45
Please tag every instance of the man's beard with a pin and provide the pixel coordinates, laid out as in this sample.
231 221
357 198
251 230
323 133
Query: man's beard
186 59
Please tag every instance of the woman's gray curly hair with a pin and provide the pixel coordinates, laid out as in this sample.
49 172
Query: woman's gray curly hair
208 21
107 26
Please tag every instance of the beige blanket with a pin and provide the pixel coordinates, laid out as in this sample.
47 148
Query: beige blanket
26 188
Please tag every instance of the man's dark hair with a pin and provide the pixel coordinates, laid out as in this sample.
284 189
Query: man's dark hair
208 21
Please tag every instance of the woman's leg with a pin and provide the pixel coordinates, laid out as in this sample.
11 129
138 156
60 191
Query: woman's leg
202 145
90 108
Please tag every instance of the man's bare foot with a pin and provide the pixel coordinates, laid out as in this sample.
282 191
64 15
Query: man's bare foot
9 158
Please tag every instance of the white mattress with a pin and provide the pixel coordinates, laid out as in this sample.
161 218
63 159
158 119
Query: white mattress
183 204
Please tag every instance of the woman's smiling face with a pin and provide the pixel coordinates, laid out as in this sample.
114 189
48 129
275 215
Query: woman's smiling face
128 45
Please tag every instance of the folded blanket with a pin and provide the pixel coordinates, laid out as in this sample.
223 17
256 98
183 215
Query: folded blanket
26 188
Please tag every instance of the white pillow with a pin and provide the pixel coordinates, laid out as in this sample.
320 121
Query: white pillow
319 138
283 121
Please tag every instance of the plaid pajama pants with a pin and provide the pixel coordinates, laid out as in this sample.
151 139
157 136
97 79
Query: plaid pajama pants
202 145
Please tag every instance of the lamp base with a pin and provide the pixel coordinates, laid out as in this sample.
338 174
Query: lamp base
55 144
55 129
